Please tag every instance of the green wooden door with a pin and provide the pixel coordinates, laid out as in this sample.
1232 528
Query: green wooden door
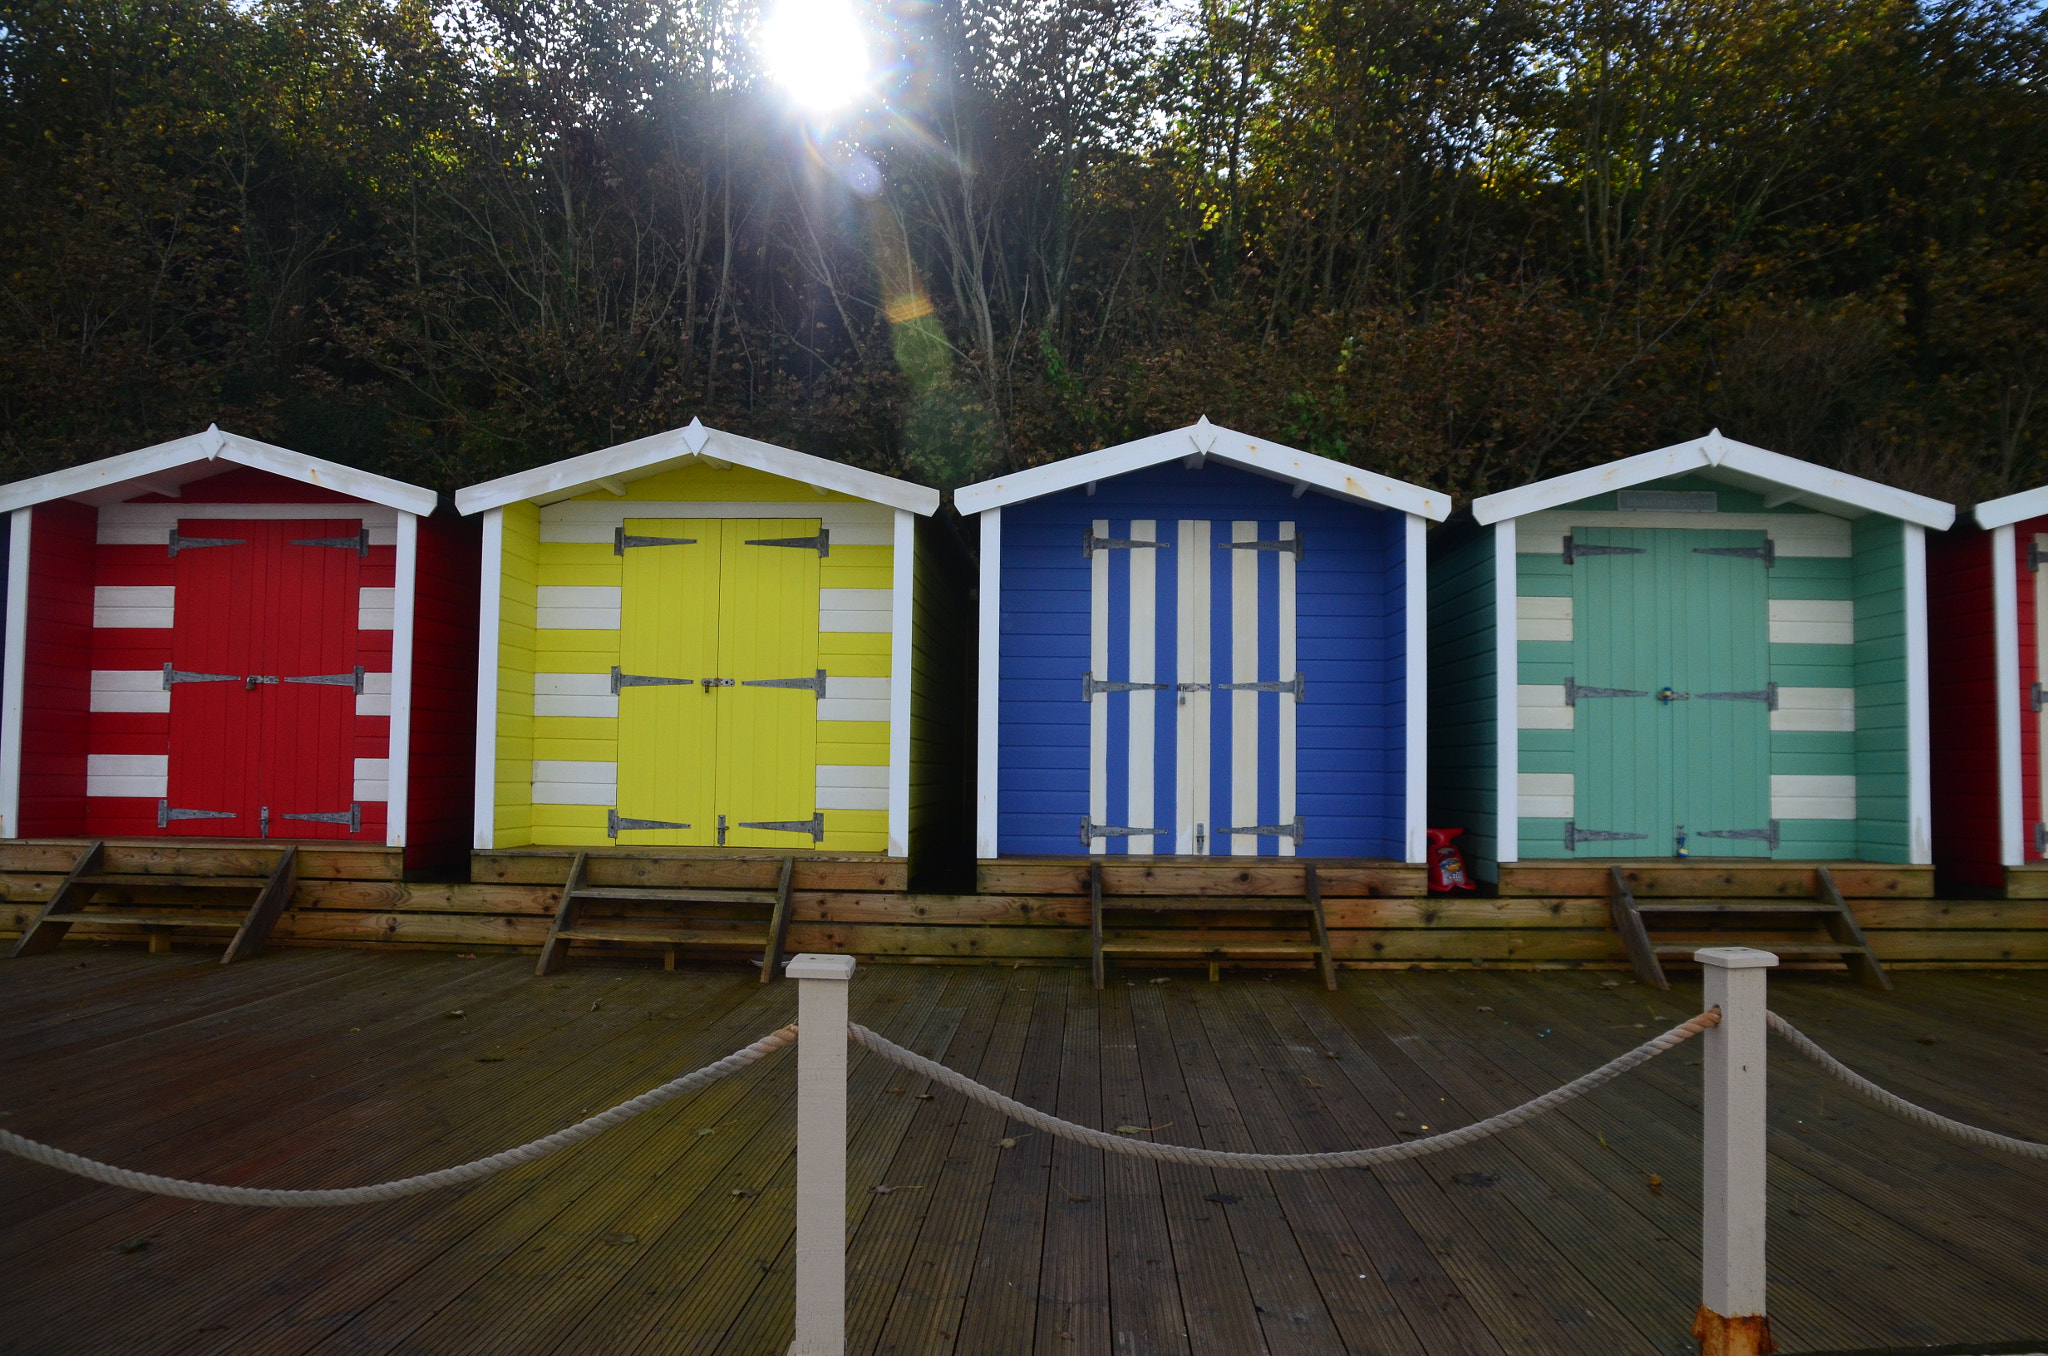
1719 634
1671 717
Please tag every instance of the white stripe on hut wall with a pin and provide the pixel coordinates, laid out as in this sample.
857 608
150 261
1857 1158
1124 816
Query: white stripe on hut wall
576 607
1545 795
375 698
129 690
562 782
1813 621
1141 766
377 610
1543 618
144 775
373 779
843 786
1801 797
148 607
1816 709
1541 706
856 610
1244 706
586 695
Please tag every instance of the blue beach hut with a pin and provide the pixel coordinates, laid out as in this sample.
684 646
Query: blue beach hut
1201 643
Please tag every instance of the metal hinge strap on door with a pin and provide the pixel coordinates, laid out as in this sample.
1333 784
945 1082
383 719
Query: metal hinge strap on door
352 816
1573 550
172 676
615 823
621 542
348 680
359 543
165 814
1292 831
2035 556
1090 831
1573 691
2040 839
814 826
1090 685
1767 694
2035 698
816 684
1769 835
1292 544
1574 835
1767 553
179 543
1090 543
822 542
625 680
1298 685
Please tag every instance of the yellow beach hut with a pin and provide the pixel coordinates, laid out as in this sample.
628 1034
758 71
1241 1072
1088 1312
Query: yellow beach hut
697 640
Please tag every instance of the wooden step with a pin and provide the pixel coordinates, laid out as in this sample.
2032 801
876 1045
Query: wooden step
1204 949
672 895
1776 906
176 918
583 932
1206 904
156 882
1776 948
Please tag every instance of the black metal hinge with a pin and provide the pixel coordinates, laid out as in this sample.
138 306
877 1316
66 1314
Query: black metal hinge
621 542
613 823
625 680
179 543
359 543
1090 543
1090 831
2034 556
1573 551
1769 835
1292 831
348 680
816 685
2035 698
814 826
165 814
2040 839
1767 553
1767 694
1291 544
352 816
1574 835
1572 692
822 542
1090 685
173 676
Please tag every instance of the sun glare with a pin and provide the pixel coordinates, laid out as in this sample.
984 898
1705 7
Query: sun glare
816 51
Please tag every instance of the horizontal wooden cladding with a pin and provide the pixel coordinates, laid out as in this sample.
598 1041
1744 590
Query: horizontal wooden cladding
1337 877
670 867
164 857
2027 882
1749 880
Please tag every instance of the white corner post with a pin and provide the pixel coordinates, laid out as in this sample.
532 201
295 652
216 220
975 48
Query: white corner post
1415 686
1731 1320
988 683
822 984
14 670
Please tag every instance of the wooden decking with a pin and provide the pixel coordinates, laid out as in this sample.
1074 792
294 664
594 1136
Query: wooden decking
672 1234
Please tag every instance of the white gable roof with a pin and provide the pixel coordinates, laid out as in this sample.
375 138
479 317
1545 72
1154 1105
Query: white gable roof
163 469
2012 509
613 467
1714 457
1203 439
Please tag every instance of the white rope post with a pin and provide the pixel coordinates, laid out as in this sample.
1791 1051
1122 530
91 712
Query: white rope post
822 983
1731 1320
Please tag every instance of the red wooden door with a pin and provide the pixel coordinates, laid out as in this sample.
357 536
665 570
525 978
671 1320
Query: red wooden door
264 679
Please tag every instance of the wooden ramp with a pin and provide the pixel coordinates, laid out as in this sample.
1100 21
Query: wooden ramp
1669 899
704 915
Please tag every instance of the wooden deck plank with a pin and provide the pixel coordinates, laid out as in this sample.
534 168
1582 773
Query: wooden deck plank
307 1068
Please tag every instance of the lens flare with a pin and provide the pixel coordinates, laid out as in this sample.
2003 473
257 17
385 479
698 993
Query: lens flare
817 52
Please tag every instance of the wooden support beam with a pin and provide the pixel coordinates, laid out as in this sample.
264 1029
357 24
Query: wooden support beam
1842 926
1312 889
270 902
1095 920
778 924
45 932
556 947
1634 936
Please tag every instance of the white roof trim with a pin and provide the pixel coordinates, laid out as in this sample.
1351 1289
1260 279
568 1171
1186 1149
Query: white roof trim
167 466
2013 508
683 447
1204 439
1813 487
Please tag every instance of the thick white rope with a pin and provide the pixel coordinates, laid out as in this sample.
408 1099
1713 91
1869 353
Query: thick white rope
405 1186
1919 1115
1220 1158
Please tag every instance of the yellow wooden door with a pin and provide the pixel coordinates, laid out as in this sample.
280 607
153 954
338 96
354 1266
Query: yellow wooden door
767 744
668 715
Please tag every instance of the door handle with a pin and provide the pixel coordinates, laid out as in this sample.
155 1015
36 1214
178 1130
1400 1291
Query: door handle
254 680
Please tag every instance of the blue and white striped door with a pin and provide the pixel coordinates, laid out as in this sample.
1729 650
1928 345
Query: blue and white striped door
1192 688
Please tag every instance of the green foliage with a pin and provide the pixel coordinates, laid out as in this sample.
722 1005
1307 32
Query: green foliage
1463 243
